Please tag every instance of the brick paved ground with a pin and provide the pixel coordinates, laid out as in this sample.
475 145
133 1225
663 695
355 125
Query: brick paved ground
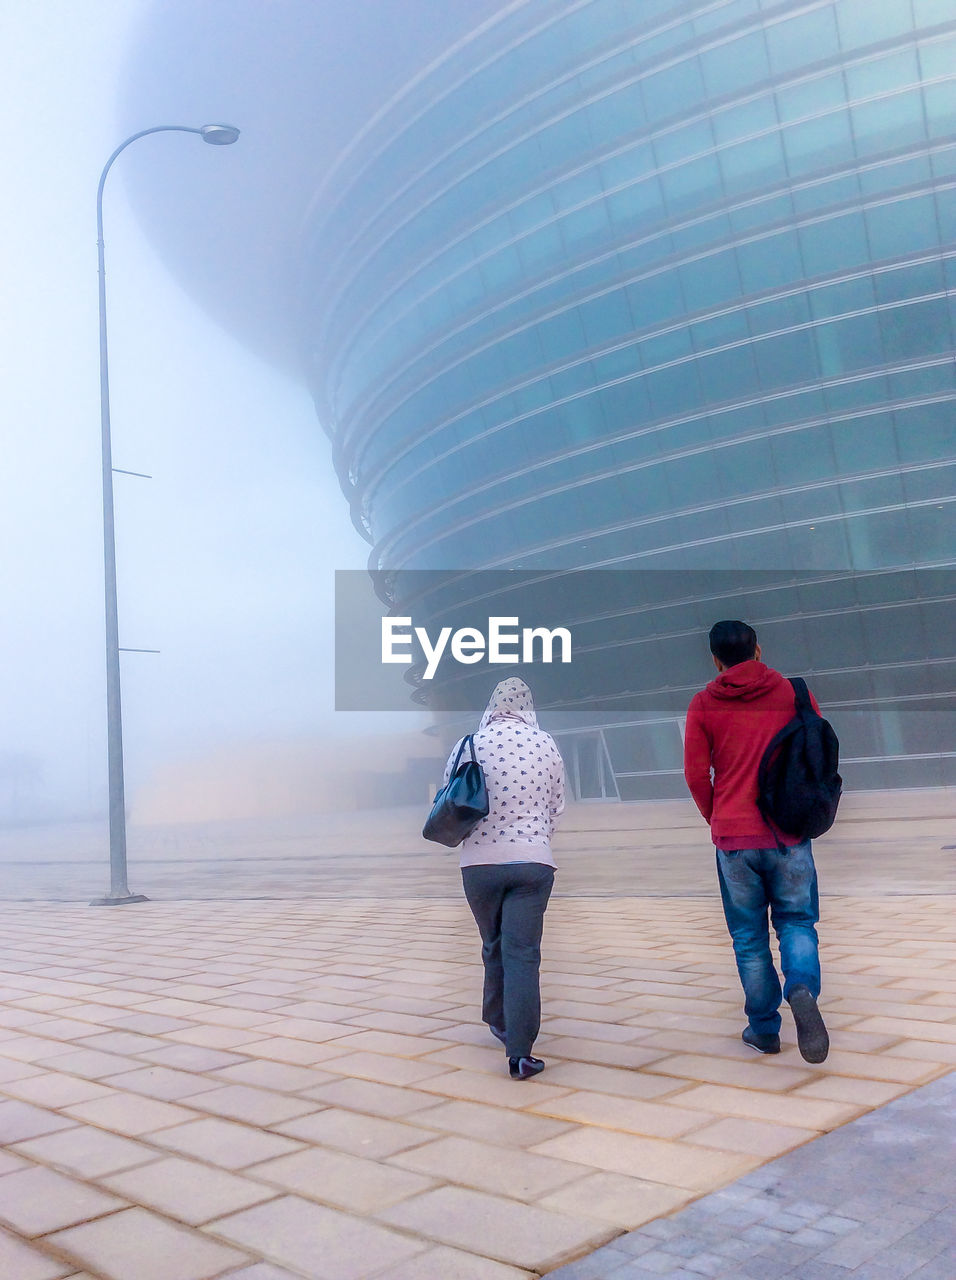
875 1200
302 1088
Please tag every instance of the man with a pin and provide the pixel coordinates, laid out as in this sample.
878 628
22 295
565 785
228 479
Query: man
729 725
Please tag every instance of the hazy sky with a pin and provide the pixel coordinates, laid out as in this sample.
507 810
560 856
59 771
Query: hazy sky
225 558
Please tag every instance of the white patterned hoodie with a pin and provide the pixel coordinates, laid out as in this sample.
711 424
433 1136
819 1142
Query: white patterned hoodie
524 773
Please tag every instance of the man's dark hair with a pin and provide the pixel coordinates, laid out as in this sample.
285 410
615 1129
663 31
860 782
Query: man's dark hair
732 642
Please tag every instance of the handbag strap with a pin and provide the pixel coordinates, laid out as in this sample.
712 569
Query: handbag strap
470 739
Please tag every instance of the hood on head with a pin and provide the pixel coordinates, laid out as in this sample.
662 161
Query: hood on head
744 681
510 700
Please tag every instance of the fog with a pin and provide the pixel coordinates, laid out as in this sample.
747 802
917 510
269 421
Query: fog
225 558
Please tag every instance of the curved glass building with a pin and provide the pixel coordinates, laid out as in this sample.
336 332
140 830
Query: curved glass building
666 285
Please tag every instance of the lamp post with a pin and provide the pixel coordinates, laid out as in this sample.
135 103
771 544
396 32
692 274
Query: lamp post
216 135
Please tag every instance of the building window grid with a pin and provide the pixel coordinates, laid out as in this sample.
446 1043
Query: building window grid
345 203
350 335
764 432
754 24
389 549
764 622
369 436
680 228
792 224
777 85
375 479
860 757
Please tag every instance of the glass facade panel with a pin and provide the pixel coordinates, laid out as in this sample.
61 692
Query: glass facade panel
722 66
640 286
802 40
863 22
812 145
903 227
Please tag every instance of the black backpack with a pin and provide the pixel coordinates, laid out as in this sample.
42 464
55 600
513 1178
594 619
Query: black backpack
798 786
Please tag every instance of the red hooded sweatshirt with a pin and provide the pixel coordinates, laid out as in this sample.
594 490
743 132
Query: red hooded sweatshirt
729 725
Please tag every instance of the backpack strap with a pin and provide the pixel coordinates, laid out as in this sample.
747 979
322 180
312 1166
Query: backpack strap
770 751
801 694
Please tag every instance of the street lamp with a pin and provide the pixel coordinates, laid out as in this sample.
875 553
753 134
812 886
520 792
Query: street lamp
216 135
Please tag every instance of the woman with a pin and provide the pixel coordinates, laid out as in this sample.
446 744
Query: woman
507 868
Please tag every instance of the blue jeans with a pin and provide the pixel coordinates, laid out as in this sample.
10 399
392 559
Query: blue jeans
751 880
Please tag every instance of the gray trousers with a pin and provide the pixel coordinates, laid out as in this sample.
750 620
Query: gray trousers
508 902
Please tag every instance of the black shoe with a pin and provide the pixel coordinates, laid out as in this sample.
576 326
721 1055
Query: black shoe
524 1068
763 1044
812 1039
497 1033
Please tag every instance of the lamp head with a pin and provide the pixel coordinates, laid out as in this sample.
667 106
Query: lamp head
219 135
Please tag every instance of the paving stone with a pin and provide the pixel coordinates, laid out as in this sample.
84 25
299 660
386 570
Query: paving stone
676 1164
10 1070
614 1197
788 1109
89 1063
706 1264
519 1234
282 1077
86 1151
630 1115
184 1189
252 1106
262 1271
128 1042
754 1075
164 1083
659 1262
316 1241
942 1267
754 1137
641 986
452 1264
378 1066
595 1266
833 1224
20 1120
190 1057
634 1245
53 1090
629 1056
734 1249
361 1135
215 1037
10 1163
496 1091
372 1097
224 1143
137 1243
22 1261
605 1079
505 1127
488 1168
38 1200
129 1114
341 1180
864 1093
303 1053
